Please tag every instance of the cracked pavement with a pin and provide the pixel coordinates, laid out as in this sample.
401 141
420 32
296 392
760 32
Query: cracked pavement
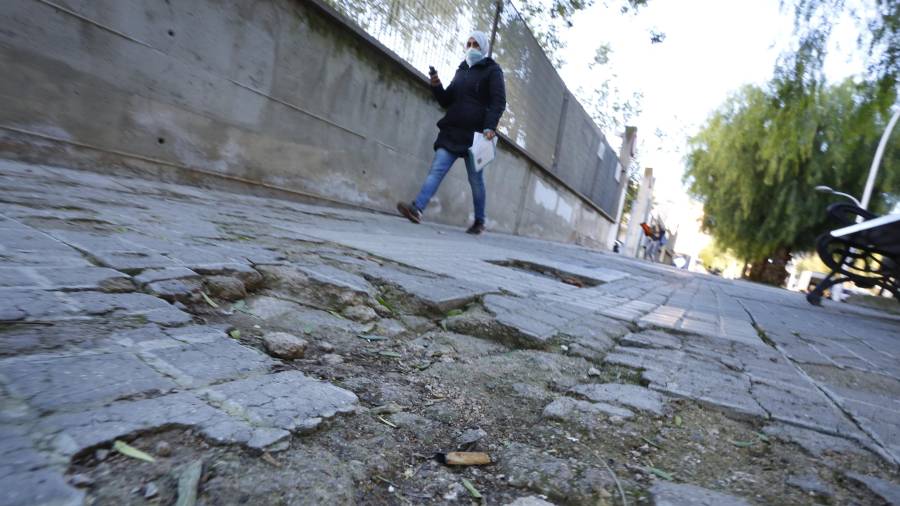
108 331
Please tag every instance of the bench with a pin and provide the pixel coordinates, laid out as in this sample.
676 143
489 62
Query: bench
865 252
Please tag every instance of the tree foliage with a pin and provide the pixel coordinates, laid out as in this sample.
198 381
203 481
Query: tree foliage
755 163
878 23
609 106
716 259
549 18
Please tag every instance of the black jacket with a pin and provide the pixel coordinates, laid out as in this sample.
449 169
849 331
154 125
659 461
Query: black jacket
475 100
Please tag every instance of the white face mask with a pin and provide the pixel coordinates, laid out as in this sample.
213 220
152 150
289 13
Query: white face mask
473 56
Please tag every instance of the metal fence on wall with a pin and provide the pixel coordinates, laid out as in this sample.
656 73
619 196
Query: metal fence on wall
542 117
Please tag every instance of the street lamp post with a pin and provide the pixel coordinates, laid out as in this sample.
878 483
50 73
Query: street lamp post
828 189
873 171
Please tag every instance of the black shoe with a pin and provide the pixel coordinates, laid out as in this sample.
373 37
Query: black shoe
410 212
476 228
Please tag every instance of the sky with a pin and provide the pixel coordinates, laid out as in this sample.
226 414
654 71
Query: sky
711 49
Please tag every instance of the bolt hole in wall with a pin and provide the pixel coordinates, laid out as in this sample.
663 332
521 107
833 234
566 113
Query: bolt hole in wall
161 140
171 33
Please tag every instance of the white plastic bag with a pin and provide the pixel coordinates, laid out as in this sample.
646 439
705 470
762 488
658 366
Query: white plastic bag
483 151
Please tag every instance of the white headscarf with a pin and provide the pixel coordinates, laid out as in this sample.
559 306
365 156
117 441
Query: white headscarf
482 39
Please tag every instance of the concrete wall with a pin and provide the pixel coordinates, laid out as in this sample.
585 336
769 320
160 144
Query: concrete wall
264 94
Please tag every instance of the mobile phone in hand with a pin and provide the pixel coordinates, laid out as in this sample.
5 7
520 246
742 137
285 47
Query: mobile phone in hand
431 71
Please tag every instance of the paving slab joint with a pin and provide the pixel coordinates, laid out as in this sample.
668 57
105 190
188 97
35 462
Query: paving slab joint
876 444
478 321
768 413
763 336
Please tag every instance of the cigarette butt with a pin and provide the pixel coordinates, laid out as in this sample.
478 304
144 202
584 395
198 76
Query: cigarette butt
468 459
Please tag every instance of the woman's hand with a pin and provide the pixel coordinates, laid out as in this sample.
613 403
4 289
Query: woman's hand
489 135
435 80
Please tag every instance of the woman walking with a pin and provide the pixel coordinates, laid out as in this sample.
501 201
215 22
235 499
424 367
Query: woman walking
475 100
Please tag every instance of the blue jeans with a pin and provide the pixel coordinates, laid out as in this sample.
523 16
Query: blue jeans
441 164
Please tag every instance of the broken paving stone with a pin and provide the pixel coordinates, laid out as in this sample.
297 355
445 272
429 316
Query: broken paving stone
319 284
275 404
181 290
579 350
888 491
287 400
66 382
152 275
430 292
583 413
226 287
594 332
805 407
211 362
815 443
284 345
810 483
666 493
295 317
251 278
650 339
632 396
360 313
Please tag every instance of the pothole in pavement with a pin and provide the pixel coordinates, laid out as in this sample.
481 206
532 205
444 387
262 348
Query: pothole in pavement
421 387
229 474
544 271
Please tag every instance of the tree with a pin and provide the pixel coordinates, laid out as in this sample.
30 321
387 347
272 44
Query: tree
879 28
755 163
718 260
607 104
548 18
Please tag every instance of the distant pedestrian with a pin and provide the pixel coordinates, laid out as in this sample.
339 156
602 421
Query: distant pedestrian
661 239
475 100
656 237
